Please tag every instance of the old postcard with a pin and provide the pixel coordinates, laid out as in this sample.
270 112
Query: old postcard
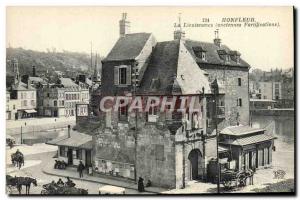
150 100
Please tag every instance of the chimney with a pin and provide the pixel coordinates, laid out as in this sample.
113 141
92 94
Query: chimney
124 25
33 71
179 33
28 83
69 131
217 40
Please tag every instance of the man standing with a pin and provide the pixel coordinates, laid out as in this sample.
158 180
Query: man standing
80 169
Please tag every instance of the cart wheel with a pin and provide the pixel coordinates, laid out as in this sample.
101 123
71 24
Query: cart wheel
227 184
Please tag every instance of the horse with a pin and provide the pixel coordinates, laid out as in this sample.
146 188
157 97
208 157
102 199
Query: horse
26 181
17 159
10 182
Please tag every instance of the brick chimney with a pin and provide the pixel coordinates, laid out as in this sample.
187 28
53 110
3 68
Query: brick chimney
124 25
217 40
179 33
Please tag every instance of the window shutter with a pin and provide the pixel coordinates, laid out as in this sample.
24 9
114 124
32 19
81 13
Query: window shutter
116 75
128 75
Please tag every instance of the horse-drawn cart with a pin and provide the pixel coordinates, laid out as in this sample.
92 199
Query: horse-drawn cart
233 179
62 189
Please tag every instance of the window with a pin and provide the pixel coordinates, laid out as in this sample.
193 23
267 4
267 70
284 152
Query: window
238 59
239 102
55 103
48 94
63 102
25 102
122 75
239 82
14 107
32 103
203 56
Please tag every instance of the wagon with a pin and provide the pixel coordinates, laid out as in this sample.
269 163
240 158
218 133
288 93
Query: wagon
109 189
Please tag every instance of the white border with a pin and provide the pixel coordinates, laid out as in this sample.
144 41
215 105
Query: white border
4 3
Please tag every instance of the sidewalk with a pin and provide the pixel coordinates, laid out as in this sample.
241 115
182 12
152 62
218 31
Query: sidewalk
73 174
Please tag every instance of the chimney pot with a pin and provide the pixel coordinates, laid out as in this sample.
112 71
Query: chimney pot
217 40
124 25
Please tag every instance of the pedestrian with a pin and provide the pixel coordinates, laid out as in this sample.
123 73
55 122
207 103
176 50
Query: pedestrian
60 182
141 185
80 169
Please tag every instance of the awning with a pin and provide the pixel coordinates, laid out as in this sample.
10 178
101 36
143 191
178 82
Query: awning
30 111
76 139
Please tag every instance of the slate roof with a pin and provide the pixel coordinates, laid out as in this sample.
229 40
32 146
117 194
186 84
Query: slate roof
77 139
67 82
22 86
212 56
36 79
162 67
173 70
250 140
128 47
240 130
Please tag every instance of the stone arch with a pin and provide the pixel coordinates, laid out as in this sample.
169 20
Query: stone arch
194 164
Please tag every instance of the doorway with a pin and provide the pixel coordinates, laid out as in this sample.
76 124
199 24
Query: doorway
194 158
70 156
88 158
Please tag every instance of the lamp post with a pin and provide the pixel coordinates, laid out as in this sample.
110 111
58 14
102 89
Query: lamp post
136 120
215 89
22 133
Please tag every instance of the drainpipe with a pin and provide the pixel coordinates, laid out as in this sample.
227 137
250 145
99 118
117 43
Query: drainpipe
69 131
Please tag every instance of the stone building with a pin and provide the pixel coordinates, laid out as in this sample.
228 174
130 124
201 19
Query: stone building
74 94
22 99
164 146
53 101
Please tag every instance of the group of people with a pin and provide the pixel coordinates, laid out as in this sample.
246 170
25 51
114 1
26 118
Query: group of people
141 187
60 183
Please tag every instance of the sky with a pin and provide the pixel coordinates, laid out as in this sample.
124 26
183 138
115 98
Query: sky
73 29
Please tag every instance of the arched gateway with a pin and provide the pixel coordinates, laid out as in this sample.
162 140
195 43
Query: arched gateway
194 164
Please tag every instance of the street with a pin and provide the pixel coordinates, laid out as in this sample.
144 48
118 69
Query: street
34 162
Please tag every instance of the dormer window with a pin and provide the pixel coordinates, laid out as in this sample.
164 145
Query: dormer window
238 59
235 56
200 52
203 55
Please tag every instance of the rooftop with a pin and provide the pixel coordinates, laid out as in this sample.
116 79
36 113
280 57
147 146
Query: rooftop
250 140
128 47
240 130
212 56
76 139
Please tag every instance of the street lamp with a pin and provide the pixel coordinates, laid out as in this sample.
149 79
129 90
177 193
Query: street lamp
215 91
22 133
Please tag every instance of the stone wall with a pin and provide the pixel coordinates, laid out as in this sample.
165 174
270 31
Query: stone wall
156 156
228 76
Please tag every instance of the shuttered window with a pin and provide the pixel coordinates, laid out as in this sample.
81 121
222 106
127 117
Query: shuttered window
122 75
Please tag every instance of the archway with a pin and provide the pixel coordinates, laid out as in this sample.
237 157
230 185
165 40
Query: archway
194 158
